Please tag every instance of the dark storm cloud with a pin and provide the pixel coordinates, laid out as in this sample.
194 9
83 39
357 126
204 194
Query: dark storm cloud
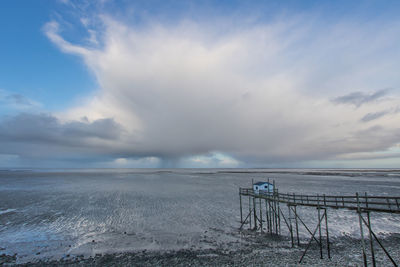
188 92
181 93
47 129
360 98
374 138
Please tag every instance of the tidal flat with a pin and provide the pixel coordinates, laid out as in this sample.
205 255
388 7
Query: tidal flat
148 217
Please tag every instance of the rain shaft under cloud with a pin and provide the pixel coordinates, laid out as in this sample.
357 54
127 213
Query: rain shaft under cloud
261 93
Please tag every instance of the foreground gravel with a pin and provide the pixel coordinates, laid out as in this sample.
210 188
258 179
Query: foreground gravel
254 250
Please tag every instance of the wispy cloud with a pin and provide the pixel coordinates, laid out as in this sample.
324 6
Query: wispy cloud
373 116
17 101
360 98
51 30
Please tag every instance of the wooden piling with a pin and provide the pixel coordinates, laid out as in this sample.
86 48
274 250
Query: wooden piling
371 241
361 231
254 213
241 211
273 213
290 228
319 228
267 215
279 216
241 226
308 230
328 247
261 218
270 217
250 212
276 217
311 239
380 244
297 225
275 205
388 202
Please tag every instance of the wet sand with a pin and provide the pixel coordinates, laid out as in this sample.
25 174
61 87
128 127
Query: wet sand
253 250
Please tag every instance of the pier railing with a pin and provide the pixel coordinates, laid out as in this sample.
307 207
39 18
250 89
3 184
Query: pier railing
363 205
363 202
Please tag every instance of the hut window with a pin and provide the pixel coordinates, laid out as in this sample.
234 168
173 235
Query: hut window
265 186
256 187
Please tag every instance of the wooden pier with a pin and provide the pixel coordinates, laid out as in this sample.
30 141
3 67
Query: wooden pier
271 203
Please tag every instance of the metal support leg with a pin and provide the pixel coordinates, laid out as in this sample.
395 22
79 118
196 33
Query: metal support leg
290 228
254 213
241 211
319 230
328 247
361 230
250 212
371 241
261 219
379 243
297 226
311 239
279 215
266 214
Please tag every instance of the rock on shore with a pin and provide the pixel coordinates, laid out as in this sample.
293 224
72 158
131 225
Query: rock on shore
255 251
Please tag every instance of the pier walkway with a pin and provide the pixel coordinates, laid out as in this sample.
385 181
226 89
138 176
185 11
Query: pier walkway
363 205
357 202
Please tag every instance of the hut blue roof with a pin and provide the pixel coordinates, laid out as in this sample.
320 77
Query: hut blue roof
262 183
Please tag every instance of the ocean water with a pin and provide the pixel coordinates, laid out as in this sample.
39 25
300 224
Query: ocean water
53 213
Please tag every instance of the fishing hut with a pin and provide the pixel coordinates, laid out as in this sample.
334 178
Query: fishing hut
263 188
265 212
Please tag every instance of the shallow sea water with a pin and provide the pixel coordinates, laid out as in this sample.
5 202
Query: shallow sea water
53 213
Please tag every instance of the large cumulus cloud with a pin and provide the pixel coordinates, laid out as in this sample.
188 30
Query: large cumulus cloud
261 93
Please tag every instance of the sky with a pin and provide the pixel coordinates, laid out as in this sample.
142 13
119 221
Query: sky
199 84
